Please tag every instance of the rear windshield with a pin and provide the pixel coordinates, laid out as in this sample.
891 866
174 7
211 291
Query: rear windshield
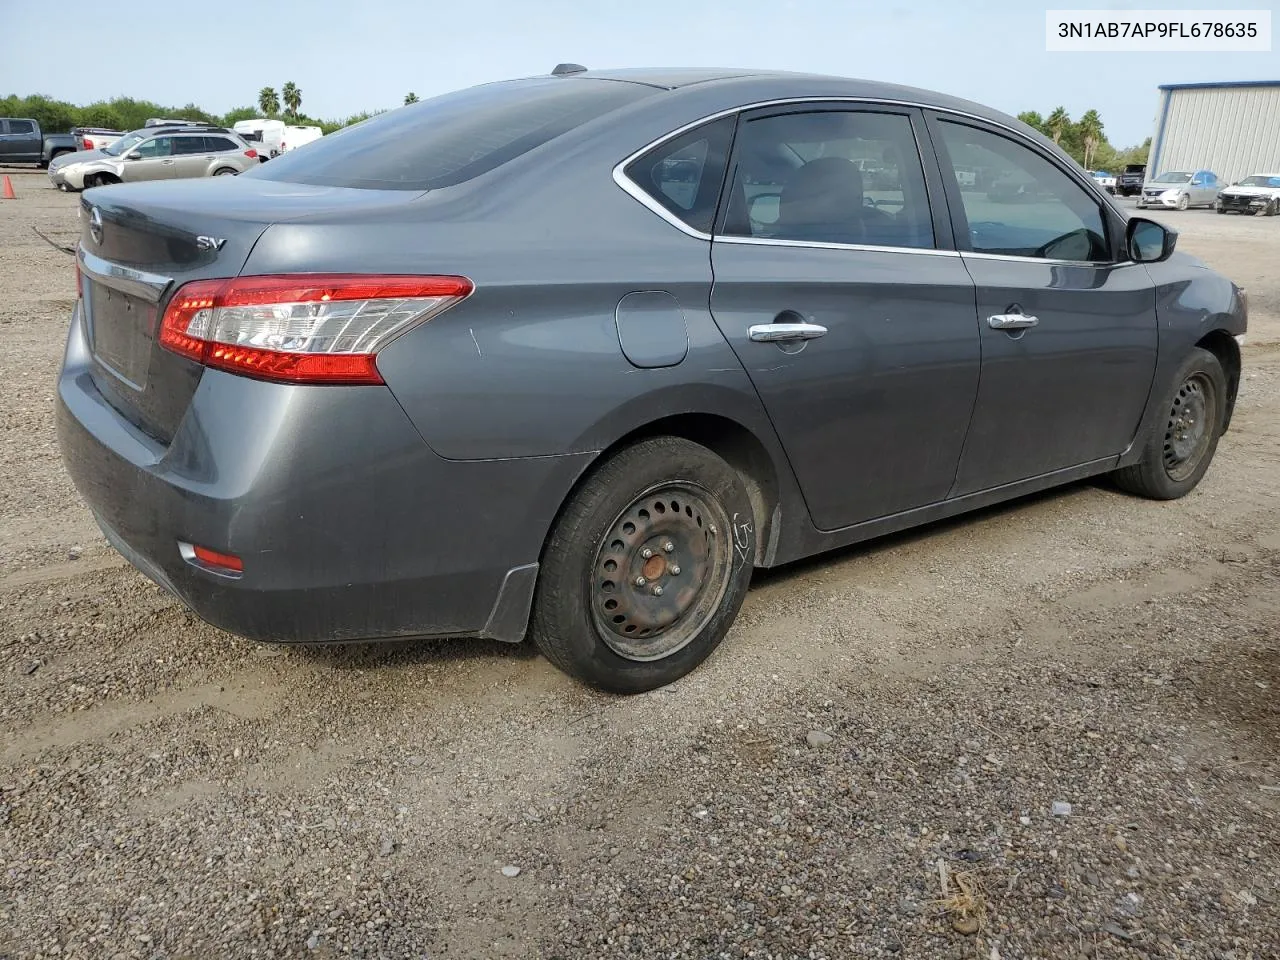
452 138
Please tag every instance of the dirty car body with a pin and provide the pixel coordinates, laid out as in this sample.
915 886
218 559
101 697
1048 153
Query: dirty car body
679 273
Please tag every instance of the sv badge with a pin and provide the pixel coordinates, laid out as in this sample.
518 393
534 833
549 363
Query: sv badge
210 243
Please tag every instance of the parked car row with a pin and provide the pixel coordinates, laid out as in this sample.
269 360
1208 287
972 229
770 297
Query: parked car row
1258 194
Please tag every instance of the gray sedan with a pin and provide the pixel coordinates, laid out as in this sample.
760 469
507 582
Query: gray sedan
568 357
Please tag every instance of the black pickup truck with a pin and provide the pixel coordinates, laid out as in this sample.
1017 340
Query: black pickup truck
1129 181
22 142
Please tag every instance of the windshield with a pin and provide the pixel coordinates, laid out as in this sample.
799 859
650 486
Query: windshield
1260 181
127 142
1173 178
452 138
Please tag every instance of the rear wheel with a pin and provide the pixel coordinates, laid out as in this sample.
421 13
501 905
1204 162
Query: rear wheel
646 567
224 172
1181 446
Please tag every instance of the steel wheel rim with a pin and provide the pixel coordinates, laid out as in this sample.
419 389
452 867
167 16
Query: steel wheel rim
1189 429
662 568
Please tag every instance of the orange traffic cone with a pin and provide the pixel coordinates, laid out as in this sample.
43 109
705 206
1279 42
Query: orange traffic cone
8 189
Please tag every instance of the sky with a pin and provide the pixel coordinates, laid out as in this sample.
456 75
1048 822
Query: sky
354 55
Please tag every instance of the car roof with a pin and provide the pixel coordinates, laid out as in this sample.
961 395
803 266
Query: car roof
756 84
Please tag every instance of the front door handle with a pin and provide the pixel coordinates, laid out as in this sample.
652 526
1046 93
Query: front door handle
1012 321
775 332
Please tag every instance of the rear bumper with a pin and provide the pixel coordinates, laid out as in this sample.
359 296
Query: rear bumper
348 525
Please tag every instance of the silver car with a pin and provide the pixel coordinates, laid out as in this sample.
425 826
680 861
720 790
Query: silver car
1180 189
157 154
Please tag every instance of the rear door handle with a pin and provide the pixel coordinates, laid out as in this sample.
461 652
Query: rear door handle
774 332
1012 321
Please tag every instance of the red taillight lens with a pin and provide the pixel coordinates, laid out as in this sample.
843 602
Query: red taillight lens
251 153
88 144
222 561
303 328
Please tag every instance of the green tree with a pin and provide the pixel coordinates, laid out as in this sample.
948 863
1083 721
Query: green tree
292 98
1058 123
1090 127
410 98
268 101
1032 119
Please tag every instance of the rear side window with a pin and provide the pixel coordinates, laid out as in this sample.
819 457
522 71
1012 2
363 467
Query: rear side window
188 145
684 175
21 126
220 143
453 138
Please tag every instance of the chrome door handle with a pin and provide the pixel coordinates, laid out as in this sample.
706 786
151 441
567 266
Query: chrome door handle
1012 321
166 161
774 332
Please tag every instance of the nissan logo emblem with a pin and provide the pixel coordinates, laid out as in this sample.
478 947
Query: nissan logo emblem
95 225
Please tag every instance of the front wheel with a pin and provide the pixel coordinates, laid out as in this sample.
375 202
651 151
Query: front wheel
1184 201
646 568
1181 446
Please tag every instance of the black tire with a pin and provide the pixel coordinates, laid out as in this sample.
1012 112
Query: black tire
1175 457
599 612
224 172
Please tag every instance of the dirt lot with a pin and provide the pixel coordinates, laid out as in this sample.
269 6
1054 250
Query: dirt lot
167 790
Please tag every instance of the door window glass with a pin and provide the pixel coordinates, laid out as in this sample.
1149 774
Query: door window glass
219 144
1020 204
189 145
834 176
685 174
155 147
21 127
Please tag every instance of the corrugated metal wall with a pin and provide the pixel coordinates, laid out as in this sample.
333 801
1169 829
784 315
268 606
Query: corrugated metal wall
1233 131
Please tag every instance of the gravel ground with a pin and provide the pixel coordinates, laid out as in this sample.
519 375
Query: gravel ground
1065 706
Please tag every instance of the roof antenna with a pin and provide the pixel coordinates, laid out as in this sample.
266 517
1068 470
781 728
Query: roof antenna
565 69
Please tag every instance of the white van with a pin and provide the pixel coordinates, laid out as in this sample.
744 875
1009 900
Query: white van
295 137
266 136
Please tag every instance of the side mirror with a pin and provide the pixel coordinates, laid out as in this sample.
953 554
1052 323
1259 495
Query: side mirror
1148 241
135 155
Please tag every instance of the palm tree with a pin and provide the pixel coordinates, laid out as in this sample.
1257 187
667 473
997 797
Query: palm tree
410 98
268 101
292 98
1056 125
1091 132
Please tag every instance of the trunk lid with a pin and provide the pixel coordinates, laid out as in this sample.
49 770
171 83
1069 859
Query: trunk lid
141 242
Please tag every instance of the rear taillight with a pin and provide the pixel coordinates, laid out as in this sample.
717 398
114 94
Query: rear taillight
302 328
88 144
251 153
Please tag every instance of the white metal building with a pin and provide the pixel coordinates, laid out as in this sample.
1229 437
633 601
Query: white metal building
1230 128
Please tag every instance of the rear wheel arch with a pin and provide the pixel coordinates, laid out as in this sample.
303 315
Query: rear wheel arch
730 440
1224 346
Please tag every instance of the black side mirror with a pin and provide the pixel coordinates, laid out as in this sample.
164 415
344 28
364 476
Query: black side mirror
1148 241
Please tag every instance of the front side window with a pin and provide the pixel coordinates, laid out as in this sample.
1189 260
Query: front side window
21 126
830 176
685 174
1029 207
155 147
